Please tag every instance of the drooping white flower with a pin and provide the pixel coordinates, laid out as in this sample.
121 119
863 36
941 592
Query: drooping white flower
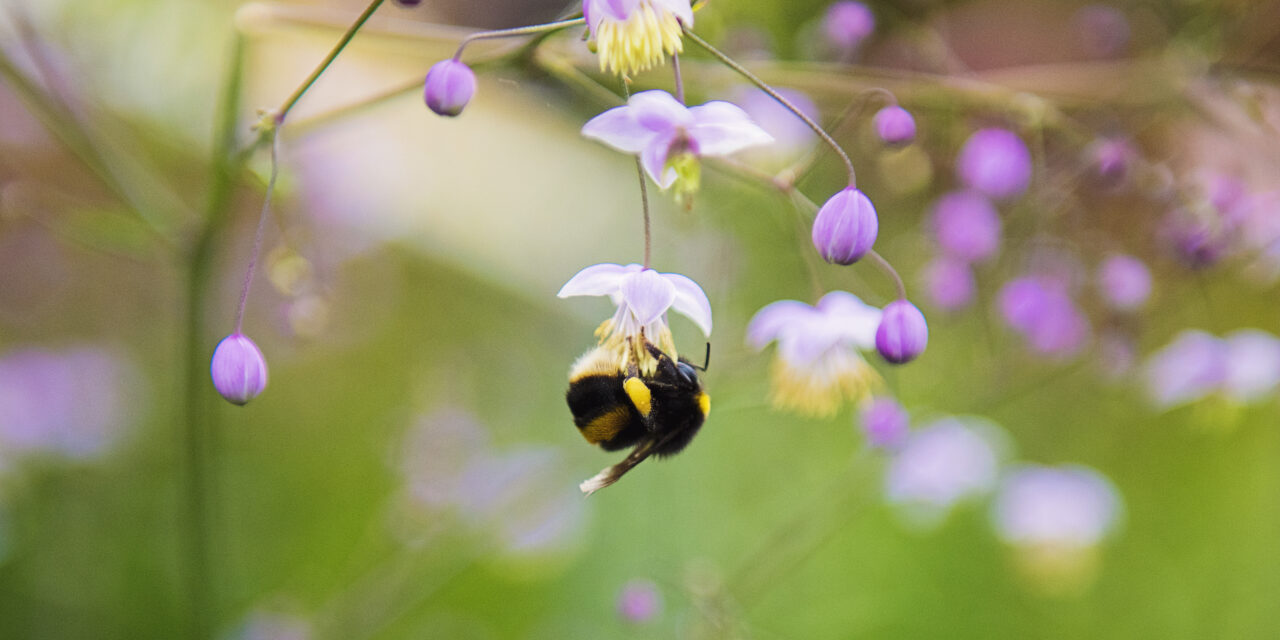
818 364
670 137
643 297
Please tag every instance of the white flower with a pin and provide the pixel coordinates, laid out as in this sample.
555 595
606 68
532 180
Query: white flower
643 297
818 363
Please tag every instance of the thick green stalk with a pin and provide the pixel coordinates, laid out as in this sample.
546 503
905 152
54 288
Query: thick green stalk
197 437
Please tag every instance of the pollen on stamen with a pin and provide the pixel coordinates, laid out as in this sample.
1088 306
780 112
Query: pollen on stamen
821 390
639 42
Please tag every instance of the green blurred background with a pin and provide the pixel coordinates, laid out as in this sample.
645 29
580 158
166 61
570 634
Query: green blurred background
407 311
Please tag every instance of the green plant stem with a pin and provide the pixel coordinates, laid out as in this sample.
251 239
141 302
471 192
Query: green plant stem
517 32
753 79
324 64
198 441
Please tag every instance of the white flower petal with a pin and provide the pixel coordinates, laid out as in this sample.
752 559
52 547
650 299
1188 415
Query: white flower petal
775 318
648 295
691 301
850 318
721 128
654 160
682 9
659 112
597 280
619 129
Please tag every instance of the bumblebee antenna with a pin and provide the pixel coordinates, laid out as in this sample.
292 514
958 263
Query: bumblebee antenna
706 361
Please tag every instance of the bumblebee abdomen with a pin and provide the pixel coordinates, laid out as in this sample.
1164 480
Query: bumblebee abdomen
603 412
677 417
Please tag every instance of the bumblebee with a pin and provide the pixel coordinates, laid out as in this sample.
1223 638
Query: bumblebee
658 414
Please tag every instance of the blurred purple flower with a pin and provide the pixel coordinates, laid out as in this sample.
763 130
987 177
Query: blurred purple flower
938 466
518 496
846 227
847 24
1195 241
966 226
1061 506
1041 310
1252 365
449 87
1125 282
818 363
663 132
903 333
995 162
1189 368
949 283
884 422
1103 30
639 601
1111 159
894 125
73 402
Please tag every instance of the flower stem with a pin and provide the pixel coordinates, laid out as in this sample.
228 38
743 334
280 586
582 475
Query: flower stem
753 79
262 225
679 79
516 32
644 190
324 64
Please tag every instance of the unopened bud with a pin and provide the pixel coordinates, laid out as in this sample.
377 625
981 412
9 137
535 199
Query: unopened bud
846 227
238 369
894 125
449 87
902 334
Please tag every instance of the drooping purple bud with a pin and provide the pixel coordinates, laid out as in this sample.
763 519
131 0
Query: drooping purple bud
894 125
950 283
450 86
639 602
238 369
1125 282
885 423
966 226
995 162
846 227
408 3
902 334
847 24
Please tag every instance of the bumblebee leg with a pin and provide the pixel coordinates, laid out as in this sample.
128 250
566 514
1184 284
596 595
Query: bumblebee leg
665 365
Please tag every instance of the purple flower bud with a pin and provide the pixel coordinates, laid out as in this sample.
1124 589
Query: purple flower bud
1111 160
1125 282
639 601
847 24
894 125
846 227
902 334
995 162
408 3
238 369
885 423
450 85
950 283
1195 242
967 226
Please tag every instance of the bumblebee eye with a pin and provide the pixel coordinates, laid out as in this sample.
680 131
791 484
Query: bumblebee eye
687 374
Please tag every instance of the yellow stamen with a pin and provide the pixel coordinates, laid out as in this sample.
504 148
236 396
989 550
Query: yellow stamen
821 389
639 42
